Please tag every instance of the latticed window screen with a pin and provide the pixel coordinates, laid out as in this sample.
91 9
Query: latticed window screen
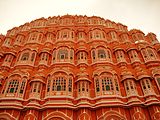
93 54
22 86
101 53
107 84
13 86
97 85
25 56
59 84
33 56
146 86
63 54
70 85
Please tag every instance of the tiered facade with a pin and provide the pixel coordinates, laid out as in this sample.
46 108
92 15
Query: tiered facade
79 68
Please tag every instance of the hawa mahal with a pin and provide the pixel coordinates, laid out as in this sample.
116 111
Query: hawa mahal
79 68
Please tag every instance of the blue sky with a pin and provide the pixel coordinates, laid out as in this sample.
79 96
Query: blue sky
139 14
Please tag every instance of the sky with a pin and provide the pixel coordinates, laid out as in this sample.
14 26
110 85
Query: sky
136 14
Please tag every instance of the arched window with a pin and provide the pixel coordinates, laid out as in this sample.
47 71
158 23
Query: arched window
63 54
50 37
81 35
133 56
8 60
13 86
97 34
120 56
19 40
36 87
35 37
7 42
106 84
151 53
71 54
93 55
70 85
59 84
146 86
33 57
101 54
22 86
148 54
44 56
65 34
81 57
124 37
130 87
25 56
140 36
54 56
113 35
83 88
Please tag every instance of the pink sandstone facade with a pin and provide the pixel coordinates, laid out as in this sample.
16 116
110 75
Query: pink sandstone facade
79 68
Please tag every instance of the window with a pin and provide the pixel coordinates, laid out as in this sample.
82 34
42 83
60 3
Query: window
70 85
22 87
81 35
59 85
97 34
120 56
25 56
101 54
7 42
32 57
50 37
13 86
140 36
83 88
106 84
71 54
97 86
113 35
82 56
35 87
48 85
151 53
54 55
63 54
133 56
124 37
134 36
33 37
130 87
19 40
44 56
8 58
93 55
146 86
65 34
148 54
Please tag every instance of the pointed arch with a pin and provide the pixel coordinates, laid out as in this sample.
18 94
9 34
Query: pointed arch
84 116
6 116
30 116
112 115
57 114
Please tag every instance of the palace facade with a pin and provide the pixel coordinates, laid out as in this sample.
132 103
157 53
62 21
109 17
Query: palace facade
79 68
